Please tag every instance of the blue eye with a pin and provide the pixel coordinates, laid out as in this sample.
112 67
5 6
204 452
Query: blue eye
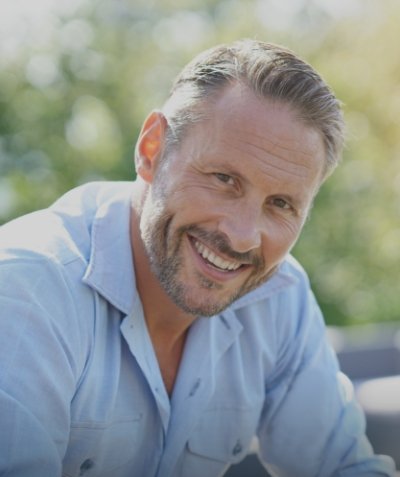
281 203
225 178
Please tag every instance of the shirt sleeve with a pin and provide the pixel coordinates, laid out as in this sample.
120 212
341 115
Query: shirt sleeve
39 367
311 424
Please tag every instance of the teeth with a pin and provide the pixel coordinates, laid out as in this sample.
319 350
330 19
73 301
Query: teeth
215 259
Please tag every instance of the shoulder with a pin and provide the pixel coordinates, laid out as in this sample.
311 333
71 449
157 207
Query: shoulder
44 255
60 233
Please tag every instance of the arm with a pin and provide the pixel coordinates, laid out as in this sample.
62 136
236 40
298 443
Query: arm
39 366
311 424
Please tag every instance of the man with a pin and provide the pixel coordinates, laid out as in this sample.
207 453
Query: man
153 329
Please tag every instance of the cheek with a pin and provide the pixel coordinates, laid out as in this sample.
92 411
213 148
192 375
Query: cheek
280 238
194 203
191 194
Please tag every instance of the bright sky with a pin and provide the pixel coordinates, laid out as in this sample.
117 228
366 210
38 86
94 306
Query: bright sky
39 12
33 21
35 10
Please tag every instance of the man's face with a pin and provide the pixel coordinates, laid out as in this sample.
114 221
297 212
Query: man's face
227 205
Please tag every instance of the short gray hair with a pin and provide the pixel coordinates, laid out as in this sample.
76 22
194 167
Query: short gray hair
270 71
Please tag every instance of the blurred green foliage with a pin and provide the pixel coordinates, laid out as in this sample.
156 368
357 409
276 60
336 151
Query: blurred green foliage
74 91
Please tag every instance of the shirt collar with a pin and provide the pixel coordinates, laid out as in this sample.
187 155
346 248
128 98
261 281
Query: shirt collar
111 271
280 280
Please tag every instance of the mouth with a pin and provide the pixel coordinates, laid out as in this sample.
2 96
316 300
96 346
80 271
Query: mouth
215 260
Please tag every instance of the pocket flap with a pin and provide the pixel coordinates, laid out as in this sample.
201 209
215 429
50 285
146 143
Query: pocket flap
224 434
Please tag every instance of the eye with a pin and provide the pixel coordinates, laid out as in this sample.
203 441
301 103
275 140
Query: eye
225 178
281 203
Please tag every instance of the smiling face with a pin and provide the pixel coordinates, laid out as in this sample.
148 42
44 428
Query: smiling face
223 210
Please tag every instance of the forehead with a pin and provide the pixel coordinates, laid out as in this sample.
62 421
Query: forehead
259 132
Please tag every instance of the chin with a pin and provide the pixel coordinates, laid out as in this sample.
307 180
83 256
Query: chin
202 302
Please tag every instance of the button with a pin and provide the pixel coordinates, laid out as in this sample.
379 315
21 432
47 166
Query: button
85 466
238 448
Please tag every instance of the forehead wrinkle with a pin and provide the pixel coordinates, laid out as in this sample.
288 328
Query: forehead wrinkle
276 145
301 168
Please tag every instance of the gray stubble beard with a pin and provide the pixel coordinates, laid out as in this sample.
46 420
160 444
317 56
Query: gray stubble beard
165 265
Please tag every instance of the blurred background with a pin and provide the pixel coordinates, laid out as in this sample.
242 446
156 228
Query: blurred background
77 77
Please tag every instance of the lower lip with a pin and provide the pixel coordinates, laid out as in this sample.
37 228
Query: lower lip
209 270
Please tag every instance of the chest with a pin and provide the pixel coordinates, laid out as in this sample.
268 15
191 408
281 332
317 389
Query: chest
123 423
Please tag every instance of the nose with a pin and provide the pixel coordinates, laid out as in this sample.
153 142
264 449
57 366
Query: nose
243 229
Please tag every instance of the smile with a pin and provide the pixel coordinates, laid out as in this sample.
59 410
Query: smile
215 260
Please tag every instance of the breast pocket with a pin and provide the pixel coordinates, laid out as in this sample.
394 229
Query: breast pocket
97 449
221 438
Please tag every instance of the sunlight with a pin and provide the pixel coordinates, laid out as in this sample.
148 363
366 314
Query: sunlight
23 22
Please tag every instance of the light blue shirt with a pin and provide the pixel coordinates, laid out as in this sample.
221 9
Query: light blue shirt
80 388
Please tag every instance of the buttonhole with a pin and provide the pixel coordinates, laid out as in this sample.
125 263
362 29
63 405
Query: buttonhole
195 387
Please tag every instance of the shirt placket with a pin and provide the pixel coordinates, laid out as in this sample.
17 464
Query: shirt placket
207 341
135 333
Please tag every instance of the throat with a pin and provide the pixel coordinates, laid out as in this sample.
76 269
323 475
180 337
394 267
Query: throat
169 372
169 359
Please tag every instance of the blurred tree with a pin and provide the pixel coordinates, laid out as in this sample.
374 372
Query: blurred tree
351 244
75 88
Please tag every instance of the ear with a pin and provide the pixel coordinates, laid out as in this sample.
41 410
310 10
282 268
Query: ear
150 145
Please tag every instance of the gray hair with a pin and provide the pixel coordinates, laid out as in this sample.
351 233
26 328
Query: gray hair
270 71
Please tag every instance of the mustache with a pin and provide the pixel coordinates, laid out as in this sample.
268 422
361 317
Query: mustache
220 243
